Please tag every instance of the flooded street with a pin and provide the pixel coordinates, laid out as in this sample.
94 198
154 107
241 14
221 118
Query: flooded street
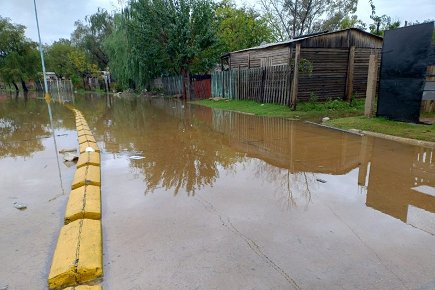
220 200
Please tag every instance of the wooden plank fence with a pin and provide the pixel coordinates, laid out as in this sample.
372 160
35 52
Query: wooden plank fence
428 101
223 84
266 84
173 85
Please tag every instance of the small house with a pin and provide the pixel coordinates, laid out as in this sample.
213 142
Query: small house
329 65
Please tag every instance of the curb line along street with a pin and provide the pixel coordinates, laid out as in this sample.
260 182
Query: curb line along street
78 257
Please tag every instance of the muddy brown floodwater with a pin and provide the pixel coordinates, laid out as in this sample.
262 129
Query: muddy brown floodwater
220 200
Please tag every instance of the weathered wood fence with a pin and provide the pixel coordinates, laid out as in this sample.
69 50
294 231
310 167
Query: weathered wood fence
311 74
172 85
266 84
428 101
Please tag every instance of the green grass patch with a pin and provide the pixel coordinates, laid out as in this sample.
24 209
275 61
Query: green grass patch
381 125
430 115
304 110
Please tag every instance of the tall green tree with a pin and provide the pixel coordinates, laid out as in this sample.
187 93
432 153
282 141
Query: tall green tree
164 37
239 28
90 34
19 60
57 59
69 61
381 23
117 48
291 18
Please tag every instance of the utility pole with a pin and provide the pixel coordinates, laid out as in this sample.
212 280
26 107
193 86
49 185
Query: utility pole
48 98
46 95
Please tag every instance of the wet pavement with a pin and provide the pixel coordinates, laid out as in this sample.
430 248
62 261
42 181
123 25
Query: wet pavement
220 200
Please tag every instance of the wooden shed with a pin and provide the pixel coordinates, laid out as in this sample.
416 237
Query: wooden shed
336 63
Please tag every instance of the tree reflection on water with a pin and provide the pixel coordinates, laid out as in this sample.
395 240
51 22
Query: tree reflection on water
179 153
23 123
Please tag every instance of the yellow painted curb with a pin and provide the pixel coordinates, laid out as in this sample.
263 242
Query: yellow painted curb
83 132
78 255
89 158
85 128
79 125
85 287
86 175
84 138
87 144
63 267
83 202
90 265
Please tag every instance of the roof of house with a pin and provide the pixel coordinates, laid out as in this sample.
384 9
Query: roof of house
308 36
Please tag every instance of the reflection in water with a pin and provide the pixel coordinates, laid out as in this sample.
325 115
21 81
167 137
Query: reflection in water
22 126
396 172
178 153
292 189
185 146
26 120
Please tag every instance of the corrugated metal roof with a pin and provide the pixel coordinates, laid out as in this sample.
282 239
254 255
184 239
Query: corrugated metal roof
301 38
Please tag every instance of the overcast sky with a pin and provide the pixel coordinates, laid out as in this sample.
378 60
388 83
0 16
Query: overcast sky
57 17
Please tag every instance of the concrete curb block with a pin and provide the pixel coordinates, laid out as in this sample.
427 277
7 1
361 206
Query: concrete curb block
84 203
86 145
333 128
89 158
86 138
400 139
78 257
84 132
87 175
85 287
404 140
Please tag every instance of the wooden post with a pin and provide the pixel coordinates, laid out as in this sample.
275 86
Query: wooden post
223 85
289 77
372 79
263 84
349 75
238 83
294 89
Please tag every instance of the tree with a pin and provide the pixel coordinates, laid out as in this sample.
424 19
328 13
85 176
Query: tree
81 65
164 37
352 22
66 60
381 23
116 47
89 36
57 58
340 15
291 18
190 33
239 28
18 55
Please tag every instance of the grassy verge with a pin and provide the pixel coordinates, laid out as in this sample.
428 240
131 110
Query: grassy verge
380 125
306 110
